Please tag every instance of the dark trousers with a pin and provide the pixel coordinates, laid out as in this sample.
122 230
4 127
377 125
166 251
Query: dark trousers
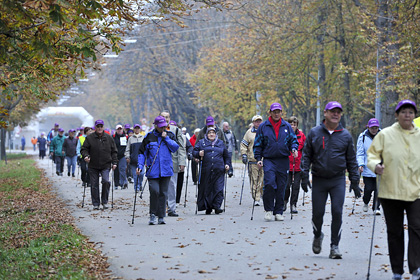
94 181
179 184
41 154
158 195
59 163
295 187
370 186
321 188
194 171
273 194
116 176
394 218
84 168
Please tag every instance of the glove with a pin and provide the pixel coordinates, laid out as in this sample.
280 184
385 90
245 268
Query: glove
305 181
244 159
190 156
357 190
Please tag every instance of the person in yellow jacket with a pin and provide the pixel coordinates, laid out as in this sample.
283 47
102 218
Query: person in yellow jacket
256 175
83 165
417 121
395 155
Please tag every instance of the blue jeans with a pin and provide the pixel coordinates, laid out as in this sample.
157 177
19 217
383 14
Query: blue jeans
71 164
137 185
122 166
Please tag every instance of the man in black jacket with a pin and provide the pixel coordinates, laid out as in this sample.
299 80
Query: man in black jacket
329 149
100 152
120 139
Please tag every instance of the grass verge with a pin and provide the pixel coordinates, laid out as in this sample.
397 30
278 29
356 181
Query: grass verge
38 239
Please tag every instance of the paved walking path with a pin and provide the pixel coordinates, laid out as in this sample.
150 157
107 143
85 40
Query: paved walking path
225 246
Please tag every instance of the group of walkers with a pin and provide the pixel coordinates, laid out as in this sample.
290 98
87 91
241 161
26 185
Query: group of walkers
279 158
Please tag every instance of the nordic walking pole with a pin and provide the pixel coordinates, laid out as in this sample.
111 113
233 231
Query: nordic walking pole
199 181
224 201
135 198
378 182
255 194
243 182
142 190
84 194
186 184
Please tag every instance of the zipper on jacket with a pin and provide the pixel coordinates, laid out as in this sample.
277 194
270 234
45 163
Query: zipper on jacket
323 142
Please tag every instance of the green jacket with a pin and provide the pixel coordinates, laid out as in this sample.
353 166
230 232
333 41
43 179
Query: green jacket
56 145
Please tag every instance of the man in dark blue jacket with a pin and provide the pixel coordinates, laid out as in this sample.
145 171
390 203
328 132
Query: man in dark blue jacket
274 141
329 149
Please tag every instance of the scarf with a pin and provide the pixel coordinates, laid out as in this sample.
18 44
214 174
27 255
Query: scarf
276 126
212 143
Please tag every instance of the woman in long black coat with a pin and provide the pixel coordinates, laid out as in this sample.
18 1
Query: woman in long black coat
215 162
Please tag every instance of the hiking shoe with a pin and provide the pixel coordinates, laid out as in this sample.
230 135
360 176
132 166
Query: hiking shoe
208 211
334 252
105 206
257 203
397 276
173 214
377 212
116 188
416 274
95 207
130 180
279 217
268 216
68 174
125 186
72 175
58 173
365 208
317 244
293 209
161 221
152 220
218 211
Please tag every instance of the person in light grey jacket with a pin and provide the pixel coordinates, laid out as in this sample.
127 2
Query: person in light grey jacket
369 177
131 155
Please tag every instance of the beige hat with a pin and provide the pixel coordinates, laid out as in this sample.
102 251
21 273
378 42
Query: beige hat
256 117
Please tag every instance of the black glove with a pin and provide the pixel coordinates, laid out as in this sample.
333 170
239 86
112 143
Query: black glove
244 159
356 189
190 156
305 181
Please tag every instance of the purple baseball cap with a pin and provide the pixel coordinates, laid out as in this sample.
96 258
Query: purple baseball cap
406 102
209 121
72 130
373 122
99 122
172 123
56 124
127 126
136 125
333 104
160 121
275 106
60 130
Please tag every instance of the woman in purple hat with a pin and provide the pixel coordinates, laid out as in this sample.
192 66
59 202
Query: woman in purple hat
155 153
369 177
395 155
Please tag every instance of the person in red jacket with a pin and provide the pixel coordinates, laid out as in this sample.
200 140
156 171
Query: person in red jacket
295 174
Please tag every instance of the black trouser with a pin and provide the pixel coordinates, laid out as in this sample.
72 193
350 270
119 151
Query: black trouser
41 154
158 195
295 187
194 171
179 184
116 177
394 218
336 188
370 186
85 174
94 181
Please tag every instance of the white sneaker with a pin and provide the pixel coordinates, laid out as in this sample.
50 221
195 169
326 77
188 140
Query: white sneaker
268 216
257 203
377 212
365 207
279 217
